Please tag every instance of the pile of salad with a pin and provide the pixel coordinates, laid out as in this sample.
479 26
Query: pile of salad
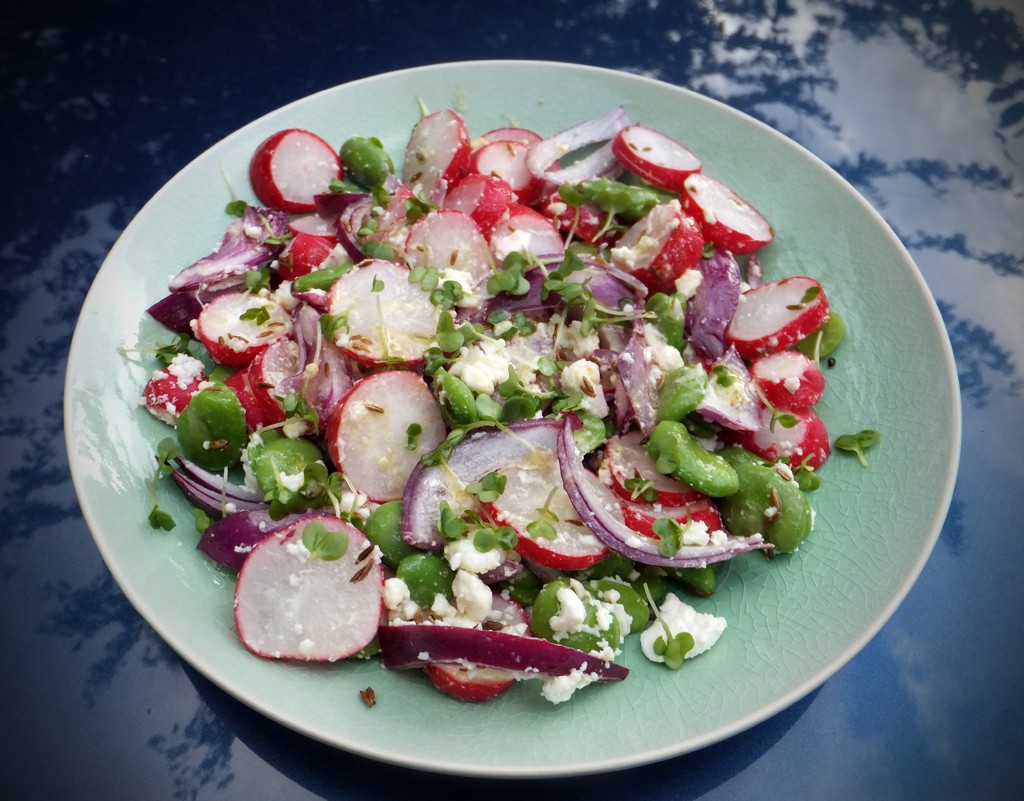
485 414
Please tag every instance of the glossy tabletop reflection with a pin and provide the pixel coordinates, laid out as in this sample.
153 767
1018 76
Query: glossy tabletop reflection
919 105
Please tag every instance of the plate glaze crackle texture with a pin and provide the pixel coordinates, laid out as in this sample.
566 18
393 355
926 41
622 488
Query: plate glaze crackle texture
792 621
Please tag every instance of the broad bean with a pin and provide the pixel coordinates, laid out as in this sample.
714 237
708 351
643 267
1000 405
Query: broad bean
678 454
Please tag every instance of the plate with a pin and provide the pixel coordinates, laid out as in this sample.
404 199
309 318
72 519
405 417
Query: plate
792 622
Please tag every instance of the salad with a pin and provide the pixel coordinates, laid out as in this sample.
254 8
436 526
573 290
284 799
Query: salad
486 413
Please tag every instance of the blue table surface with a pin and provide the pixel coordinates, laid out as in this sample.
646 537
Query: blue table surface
920 105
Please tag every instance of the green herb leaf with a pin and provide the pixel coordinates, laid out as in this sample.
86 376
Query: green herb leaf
858 443
257 314
412 436
323 543
670 535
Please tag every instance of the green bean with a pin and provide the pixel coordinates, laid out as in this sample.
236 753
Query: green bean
547 605
681 392
211 428
322 279
632 601
669 317
769 504
457 401
383 528
698 580
366 161
426 575
680 455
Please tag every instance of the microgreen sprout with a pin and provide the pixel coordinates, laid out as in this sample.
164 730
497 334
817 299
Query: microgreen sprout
257 314
670 536
489 488
858 443
641 488
323 543
166 450
412 436
673 648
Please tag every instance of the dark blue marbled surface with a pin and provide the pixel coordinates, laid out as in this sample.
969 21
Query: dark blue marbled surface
920 105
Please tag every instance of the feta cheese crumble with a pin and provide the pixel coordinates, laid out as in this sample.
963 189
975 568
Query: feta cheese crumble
679 617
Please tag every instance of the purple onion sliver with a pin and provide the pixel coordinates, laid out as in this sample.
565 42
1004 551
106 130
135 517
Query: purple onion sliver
711 309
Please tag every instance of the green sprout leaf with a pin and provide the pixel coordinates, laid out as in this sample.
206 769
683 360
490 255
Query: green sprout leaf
858 443
324 544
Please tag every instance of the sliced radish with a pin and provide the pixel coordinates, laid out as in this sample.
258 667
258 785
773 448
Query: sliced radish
476 684
168 391
660 247
437 154
291 167
805 443
506 160
776 315
316 224
586 222
534 493
626 458
449 240
239 383
236 326
305 253
268 371
291 605
788 379
507 134
655 157
726 219
522 229
469 684
641 517
483 197
387 319
370 433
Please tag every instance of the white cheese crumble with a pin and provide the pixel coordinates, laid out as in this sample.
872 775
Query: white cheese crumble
689 282
559 689
482 365
681 617
584 376
464 555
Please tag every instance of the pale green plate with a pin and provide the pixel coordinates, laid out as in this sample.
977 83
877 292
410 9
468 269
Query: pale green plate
792 621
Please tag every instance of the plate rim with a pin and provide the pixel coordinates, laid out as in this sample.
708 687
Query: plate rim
581 767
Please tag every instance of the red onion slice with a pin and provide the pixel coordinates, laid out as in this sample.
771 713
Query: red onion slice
474 457
411 647
737 405
601 511
637 382
600 129
711 309
248 243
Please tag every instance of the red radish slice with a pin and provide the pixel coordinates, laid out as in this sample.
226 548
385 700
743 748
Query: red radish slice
805 443
641 517
481 683
234 341
448 240
389 320
506 160
626 458
292 166
523 229
289 605
601 510
660 247
776 315
788 379
316 224
238 382
508 134
268 371
587 222
483 197
369 434
437 154
305 253
655 157
465 684
410 647
533 492
168 391
726 219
